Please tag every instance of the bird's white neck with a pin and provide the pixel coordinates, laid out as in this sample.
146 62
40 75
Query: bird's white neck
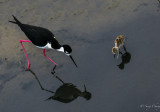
61 49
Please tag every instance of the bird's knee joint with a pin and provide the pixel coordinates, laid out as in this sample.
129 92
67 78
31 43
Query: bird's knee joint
44 54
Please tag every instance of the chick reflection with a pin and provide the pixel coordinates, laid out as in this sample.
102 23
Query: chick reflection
68 92
126 57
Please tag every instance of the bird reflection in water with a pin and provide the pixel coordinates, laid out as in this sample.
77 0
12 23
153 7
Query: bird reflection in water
67 92
126 57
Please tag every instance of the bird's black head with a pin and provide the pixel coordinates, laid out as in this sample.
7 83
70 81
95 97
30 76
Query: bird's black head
87 95
67 49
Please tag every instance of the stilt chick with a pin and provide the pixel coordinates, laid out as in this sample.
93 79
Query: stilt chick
118 43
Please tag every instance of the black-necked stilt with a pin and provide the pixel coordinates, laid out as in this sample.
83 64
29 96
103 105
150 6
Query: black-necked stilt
42 38
118 43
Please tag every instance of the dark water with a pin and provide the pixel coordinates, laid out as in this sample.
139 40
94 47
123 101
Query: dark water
90 27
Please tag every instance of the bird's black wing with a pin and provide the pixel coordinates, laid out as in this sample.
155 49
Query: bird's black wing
38 35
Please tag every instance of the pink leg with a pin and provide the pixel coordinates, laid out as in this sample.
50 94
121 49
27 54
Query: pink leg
29 64
48 57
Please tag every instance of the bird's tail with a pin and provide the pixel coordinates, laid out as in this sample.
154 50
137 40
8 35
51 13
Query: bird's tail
16 20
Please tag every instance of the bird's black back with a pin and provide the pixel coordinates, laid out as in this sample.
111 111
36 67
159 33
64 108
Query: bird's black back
38 35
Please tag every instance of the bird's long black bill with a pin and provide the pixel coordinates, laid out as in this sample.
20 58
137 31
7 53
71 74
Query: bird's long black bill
73 61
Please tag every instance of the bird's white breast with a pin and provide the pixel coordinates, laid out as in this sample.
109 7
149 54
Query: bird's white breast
47 46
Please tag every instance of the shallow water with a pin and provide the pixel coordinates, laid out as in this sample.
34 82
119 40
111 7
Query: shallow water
90 27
